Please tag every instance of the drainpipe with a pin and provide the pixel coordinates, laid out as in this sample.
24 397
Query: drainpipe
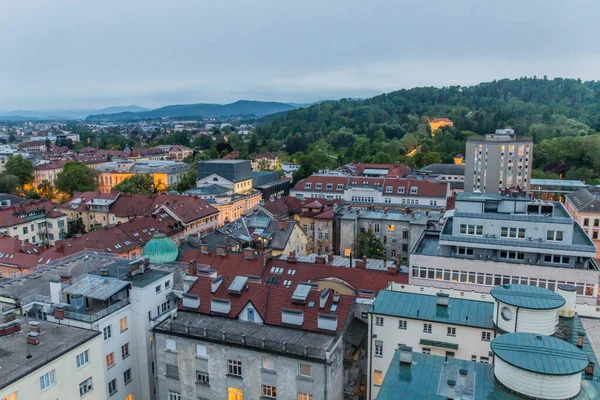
325 392
369 364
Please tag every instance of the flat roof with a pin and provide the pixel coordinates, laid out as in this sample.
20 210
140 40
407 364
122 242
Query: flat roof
558 182
96 287
427 378
151 274
55 340
539 354
424 307
525 296
194 325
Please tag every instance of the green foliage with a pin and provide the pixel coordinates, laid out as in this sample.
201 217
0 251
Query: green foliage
75 227
8 183
137 184
76 177
20 167
369 245
46 190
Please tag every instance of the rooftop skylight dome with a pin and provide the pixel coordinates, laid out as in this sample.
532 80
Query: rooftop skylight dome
160 249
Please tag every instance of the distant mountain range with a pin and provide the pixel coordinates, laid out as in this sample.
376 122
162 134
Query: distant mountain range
239 108
21 115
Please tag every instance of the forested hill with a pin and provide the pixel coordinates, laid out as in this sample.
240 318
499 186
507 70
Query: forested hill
562 115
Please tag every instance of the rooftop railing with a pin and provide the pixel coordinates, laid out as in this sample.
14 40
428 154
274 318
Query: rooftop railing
99 315
535 244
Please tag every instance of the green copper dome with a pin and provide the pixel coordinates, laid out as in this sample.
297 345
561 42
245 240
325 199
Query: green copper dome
160 249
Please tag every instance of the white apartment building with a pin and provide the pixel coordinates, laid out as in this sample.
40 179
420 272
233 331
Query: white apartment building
439 325
498 161
34 221
495 239
46 361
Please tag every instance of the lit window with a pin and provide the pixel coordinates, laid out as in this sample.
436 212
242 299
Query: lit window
377 377
391 228
269 391
232 394
110 360
12 396
304 396
123 324
347 251
268 363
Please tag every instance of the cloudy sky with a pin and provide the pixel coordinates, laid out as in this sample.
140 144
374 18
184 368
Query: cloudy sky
83 54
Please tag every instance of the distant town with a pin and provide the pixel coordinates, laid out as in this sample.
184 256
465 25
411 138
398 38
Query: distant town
176 259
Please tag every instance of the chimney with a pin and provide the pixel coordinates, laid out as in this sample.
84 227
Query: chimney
203 248
405 354
33 338
59 311
442 299
146 263
385 211
221 249
103 272
9 316
360 264
192 268
580 339
451 385
320 260
291 257
248 253
55 289
330 258
34 326
357 211
282 225
392 270
427 213
589 370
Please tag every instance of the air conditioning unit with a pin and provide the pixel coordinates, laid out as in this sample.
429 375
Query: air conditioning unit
488 257
480 255
530 238
530 260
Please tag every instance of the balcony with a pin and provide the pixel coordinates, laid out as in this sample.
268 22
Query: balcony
89 318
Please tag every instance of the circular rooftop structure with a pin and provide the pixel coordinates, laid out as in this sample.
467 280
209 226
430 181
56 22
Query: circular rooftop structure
530 297
538 366
160 249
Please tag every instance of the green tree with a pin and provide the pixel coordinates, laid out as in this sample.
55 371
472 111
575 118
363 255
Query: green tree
76 177
369 245
75 227
8 183
48 145
20 167
46 190
137 184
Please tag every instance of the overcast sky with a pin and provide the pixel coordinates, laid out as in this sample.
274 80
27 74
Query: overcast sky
85 54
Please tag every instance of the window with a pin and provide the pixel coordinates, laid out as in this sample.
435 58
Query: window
379 321
426 350
427 328
512 232
391 227
304 370
172 371
476 230
234 367
484 360
586 222
402 324
201 351
202 377
85 387
171 345
123 324
125 350
451 331
82 359
377 228
110 360
464 251
107 332
378 348
112 387
174 395
307 185
486 336
12 396
158 289
304 396
556 236
269 391
450 354
47 380
268 363
127 376
473 358
377 377
414 189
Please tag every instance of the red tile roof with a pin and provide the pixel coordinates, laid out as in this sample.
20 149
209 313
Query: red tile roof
87 196
231 156
20 254
229 265
9 216
285 206
441 120
314 180
58 164
268 155
186 208
424 187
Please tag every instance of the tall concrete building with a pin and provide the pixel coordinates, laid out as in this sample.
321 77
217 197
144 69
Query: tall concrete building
500 160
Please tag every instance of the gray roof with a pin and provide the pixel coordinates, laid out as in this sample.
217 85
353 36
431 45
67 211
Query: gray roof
232 170
96 287
144 167
585 200
208 189
419 218
193 325
55 341
557 183
443 169
279 238
424 307
340 261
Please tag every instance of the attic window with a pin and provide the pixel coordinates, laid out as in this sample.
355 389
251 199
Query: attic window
414 189
318 186
330 186
277 270
287 283
307 185
340 186
291 271
401 189
388 189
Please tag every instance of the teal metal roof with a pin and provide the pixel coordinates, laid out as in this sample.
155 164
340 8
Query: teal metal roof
437 343
540 354
569 329
160 249
427 376
525 296
424 307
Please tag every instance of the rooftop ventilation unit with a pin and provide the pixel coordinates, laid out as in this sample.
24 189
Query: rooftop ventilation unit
238 285
301 293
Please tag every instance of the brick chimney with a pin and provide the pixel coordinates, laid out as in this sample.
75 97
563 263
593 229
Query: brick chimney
360 264
203 248
248 253
282 225
320 260
59 311
34 326
192 268
291 257
330 258
33 338
221 249
392 270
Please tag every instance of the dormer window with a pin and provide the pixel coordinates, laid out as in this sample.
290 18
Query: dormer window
330 186
340 186
414 189
388 189
318 186
401 189
307 185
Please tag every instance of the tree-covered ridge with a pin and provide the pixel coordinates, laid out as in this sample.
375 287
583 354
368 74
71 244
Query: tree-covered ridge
387 127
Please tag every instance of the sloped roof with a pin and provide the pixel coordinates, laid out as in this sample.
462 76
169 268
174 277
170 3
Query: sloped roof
584 200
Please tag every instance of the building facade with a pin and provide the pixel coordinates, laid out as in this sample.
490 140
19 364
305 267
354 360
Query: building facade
164 173
584 207
498 161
